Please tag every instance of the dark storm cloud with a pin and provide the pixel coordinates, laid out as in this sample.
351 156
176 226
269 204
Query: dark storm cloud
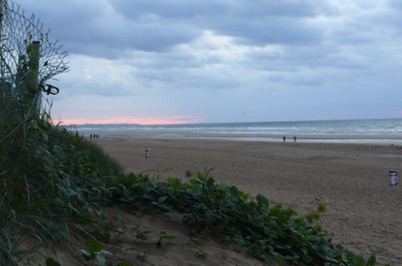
97 28
108 27
270 22
257 22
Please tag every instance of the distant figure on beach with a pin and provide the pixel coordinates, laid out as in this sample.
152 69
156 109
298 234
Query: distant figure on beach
284 138
147 153
294 138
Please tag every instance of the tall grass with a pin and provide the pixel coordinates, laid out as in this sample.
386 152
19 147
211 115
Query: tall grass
40 168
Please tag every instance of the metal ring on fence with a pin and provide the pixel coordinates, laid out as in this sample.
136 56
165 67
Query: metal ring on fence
53 90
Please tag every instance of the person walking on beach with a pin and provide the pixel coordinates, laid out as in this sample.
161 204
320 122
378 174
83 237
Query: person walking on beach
294 138
147 153
284 138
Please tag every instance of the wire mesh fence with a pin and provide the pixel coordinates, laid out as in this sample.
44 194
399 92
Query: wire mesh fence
28 57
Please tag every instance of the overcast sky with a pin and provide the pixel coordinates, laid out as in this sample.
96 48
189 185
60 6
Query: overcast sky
187 61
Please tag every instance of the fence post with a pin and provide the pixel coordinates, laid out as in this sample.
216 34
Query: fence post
31 91
1 61
1 16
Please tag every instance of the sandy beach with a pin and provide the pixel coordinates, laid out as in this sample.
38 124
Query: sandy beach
363 211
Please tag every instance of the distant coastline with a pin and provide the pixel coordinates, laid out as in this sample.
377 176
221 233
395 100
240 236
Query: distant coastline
381 131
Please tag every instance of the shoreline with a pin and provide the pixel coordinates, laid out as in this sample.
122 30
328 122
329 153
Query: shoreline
341 139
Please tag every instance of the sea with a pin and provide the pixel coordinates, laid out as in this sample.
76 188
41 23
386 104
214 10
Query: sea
387 131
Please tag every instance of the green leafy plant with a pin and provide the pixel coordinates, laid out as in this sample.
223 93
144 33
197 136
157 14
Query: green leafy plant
200 254
142 235
314 216
269 233
124 263
94 251
52 262
164 235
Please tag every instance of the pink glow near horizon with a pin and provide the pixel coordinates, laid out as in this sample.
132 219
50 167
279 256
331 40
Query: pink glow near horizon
133 120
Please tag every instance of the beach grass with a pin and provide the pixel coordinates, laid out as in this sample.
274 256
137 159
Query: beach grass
40 165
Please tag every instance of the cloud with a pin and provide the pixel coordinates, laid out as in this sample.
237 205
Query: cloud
216 59
99 29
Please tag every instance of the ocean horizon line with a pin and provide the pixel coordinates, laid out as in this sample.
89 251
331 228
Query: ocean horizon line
228 123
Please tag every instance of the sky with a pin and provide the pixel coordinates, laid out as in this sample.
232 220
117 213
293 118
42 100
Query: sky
215 61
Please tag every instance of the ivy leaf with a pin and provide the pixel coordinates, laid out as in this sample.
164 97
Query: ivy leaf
52 262
372 261
124 263
263 201
93 245
174 183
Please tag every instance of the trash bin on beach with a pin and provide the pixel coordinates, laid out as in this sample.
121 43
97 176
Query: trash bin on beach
394 177
147 153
